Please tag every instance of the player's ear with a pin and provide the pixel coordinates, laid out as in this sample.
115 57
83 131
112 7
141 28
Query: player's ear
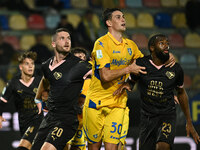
53 44
152 48
20 67
109 23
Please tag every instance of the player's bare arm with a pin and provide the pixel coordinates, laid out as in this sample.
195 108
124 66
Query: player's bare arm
125 86
183 99
108 75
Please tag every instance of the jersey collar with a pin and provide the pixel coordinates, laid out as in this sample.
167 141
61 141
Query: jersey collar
115 41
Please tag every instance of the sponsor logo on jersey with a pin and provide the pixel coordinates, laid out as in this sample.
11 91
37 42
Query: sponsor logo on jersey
95 136
99 54
57 75
100 43
129 51
170 75
19 91
120 62
115 52
35 90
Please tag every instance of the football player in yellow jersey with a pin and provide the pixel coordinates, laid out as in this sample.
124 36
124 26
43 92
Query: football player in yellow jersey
112 59
78 141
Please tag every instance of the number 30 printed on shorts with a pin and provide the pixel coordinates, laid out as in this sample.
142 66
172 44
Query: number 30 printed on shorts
116 127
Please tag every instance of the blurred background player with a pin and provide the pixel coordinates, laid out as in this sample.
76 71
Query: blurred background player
22 90
87 31
81 53
64 23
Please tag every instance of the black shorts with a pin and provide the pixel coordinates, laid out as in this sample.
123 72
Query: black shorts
156 129
31 131
55 131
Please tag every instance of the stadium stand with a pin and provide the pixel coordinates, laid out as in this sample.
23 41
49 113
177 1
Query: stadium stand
52 20
17 22
4 22
27 41
163 20
176 40
36 21
145 20
141 40
192 40
134 3
130 20
13 40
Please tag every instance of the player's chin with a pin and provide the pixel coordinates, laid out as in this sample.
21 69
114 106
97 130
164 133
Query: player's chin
66 50
30 73
123 29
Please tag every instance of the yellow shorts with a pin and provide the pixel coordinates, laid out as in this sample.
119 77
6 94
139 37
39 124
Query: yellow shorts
79 139
125 126
104 123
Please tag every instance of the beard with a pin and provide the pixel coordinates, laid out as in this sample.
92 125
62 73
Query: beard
61 50
162 56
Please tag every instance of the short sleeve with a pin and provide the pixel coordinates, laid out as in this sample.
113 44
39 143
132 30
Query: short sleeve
79 70
100 54
137 53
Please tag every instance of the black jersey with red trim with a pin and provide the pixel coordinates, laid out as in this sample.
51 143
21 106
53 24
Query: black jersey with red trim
66 81
23 96
157 86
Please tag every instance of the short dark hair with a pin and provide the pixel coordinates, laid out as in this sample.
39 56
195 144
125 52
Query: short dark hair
80 50
58 31
153 39
28 54
107 14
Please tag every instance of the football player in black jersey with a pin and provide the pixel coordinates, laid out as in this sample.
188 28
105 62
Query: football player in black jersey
22 90
78 142
158 114
64 72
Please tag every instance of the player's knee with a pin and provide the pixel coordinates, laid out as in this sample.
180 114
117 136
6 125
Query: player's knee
21 148
162 146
